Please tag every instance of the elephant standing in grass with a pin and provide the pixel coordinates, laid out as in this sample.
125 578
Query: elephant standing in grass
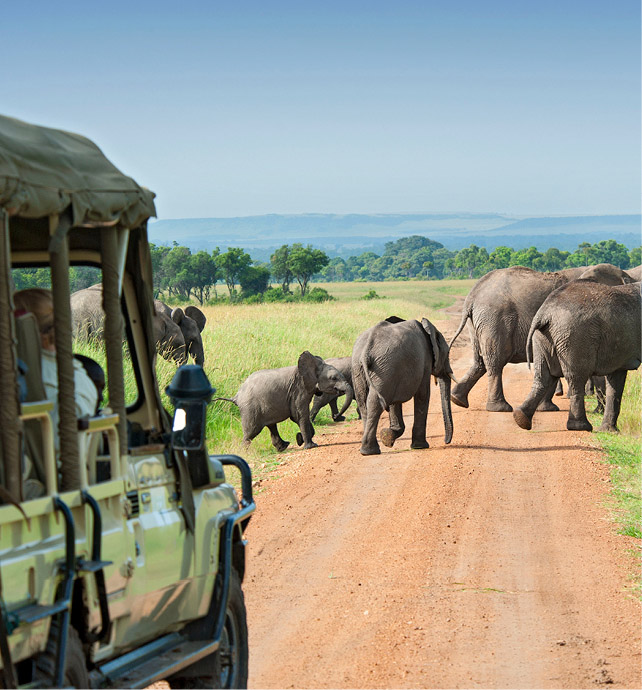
270 396
500 308
191 321
344 365
392 362
88 317
584 329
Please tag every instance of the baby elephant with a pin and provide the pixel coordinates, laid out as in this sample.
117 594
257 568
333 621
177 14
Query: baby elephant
270 396
344 365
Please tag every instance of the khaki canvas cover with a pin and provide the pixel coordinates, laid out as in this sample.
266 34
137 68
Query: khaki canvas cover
43 171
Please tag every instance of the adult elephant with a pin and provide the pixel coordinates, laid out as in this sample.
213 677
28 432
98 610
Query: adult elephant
607 274
581 330
344 365
191 321
499 309
392 363
270 396
88 318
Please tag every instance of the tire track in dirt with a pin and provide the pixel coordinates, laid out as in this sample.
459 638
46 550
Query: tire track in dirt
491 562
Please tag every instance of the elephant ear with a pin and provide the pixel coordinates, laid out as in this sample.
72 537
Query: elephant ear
197 315
307 368
177 315
439 352
394 319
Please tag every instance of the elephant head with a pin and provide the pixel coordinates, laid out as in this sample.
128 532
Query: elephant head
191 322
319 377
607 274
170 342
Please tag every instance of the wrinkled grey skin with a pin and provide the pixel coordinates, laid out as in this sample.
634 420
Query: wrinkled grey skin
392 362
607 274
191 321
344 365
635 273
88 317
584 329
499 309
270 396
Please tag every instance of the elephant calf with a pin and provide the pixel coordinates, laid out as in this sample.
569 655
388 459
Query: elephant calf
392 362
191 321
581 330
270 396
344 365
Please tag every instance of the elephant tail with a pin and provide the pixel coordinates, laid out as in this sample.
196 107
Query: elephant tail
226 400
539 321
467 313
365 367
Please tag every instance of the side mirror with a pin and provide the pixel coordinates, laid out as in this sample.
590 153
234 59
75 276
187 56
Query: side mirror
189 391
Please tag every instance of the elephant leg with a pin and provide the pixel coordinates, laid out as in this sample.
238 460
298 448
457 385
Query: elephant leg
599 386
304 437
371 414
421 401
460 391
334 409
251 427
614 390
317 404
397 427
277 441
559 389
577 419
496 402
544 385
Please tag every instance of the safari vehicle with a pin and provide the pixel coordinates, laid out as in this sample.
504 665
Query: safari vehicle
126 566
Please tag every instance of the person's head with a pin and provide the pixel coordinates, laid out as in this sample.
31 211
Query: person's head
39 302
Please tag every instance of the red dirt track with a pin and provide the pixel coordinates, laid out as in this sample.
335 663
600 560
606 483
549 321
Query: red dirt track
489 563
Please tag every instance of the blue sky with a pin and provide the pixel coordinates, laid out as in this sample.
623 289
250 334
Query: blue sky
244 107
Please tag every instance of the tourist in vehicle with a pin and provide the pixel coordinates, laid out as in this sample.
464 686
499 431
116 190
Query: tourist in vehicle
39 302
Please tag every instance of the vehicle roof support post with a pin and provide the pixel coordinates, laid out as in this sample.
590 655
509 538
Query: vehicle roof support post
113 330
68 423
10 432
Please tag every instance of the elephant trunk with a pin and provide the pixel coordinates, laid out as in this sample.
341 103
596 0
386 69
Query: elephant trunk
348 400
446 410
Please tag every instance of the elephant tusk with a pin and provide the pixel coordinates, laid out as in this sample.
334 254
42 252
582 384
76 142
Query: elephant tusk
452 377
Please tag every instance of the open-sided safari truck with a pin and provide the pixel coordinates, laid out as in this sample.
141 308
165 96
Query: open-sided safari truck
125 566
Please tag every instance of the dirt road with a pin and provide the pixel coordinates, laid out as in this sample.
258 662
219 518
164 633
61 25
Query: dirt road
488 563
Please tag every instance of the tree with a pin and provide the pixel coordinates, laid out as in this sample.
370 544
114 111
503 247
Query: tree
232 264
254 280
280 268
304 262
635 257
204 273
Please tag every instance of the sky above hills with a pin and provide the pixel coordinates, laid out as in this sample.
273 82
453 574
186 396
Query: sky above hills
244 108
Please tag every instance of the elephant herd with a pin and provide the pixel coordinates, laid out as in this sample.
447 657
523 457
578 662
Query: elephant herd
577 324
177 332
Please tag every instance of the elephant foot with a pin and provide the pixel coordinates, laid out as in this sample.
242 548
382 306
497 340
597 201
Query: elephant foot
388 437
419 445
299 438
338 418
498 406
579 425
281 446
547 406
605 426
310 444
522 420
461 401
370 450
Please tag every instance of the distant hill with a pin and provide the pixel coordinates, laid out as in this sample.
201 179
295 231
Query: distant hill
347 235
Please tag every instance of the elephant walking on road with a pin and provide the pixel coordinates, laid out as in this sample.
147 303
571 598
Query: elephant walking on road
392 362
270 396
584 329
499 310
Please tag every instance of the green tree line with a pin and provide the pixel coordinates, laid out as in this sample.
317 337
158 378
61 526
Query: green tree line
185 276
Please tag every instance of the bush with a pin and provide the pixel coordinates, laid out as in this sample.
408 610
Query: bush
371 295
276 294
318 294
